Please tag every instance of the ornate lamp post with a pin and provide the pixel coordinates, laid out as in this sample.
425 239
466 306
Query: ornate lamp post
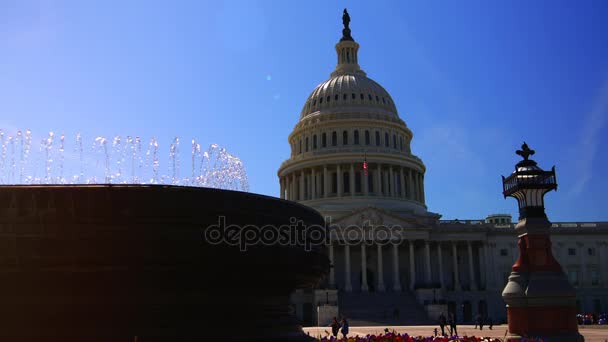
540 300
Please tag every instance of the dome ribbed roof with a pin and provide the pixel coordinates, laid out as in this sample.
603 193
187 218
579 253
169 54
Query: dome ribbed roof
349 90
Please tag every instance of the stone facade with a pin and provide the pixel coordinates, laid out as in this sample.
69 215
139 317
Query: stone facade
351 160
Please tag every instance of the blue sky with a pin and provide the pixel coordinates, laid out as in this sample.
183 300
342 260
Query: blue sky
472 80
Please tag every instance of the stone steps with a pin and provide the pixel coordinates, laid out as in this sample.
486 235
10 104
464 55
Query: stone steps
379 309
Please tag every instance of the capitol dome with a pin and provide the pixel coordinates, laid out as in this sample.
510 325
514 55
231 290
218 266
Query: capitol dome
346 90
350 149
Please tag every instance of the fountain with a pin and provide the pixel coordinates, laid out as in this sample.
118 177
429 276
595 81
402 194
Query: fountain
127 261
117 160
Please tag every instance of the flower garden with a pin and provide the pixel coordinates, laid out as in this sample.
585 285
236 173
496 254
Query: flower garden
395 337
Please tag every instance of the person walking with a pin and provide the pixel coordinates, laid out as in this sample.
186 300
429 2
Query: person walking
442 323
477 320
490 323
480 322
335 327
344 328
452 322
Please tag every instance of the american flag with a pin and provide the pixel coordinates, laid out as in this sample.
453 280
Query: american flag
365 167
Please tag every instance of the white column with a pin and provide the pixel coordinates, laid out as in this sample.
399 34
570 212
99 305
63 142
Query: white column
483 265
295 186
417 186
440 259
410 183
302 185
391 181
325 181
412 267
365 179
583 265
602 264
402 179
352 179
313 184
364 287
456 275
422 187
348 286
396 281
387 191
318 177
287 187
379 180
427 256
339 180
380 270
493 265
332 272
471 269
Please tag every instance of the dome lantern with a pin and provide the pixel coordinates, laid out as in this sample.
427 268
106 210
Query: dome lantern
347 49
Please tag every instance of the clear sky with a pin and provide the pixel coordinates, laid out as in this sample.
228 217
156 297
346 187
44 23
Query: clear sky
471 79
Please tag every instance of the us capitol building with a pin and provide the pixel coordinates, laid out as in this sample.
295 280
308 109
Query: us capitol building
351 160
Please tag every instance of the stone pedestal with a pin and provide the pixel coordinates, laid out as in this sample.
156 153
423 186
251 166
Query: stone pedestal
540 300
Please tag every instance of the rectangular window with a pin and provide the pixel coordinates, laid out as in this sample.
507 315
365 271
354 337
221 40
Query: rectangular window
591 251
571 251
504 252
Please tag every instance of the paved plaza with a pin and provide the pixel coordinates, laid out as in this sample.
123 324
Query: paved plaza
591 333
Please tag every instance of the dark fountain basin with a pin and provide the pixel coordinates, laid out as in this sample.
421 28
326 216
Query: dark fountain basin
130 263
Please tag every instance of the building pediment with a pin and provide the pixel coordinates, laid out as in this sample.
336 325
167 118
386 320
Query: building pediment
373 217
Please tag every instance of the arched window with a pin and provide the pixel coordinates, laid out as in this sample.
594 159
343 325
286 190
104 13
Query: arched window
377 138
394 141
383 101
306 144
314 142
336 97
362 97
369 96
344 97
324 140
334 138
386 142
366 137
354 96
356 137
328 98
377 98
300 151
345 138
320 100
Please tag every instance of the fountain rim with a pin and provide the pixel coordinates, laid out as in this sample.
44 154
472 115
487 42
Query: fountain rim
160 186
